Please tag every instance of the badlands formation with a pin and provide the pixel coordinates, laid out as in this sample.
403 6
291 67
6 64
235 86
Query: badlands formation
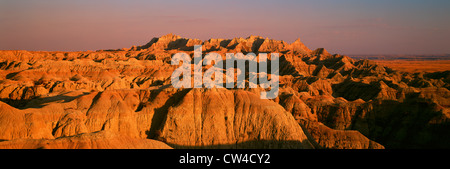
123 98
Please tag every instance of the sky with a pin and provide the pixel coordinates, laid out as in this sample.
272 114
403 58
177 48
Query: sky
350 27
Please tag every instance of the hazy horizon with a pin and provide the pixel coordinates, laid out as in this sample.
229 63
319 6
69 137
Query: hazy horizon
348 27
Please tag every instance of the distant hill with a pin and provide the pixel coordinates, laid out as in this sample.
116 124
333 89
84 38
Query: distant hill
402 57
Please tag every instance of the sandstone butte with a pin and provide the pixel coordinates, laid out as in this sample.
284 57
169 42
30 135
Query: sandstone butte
123 98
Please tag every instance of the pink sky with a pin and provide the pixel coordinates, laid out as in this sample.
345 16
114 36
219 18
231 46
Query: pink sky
344 27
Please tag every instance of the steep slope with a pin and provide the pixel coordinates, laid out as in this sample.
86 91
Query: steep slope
230 119
99 140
